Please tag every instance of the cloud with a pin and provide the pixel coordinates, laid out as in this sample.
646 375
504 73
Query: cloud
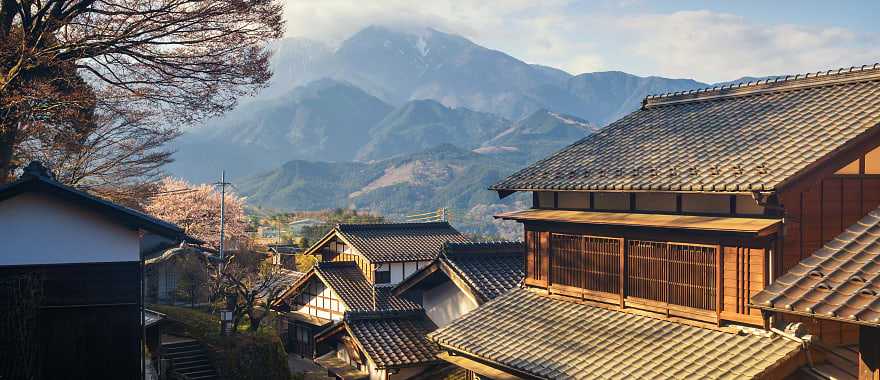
718 46
619 35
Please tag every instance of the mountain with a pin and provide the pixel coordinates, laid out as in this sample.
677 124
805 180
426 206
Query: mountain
610 95
325 120
537 136
422 124
399 66
443 176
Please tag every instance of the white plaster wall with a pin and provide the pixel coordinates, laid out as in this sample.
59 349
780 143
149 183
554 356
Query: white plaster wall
400 271
313 302
38 229
446 302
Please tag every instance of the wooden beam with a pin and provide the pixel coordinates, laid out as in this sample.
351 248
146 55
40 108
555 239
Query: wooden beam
869 353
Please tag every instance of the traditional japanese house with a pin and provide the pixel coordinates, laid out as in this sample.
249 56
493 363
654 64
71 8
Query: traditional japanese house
385 252
176 275
647 239
839 282
71 280
464 276
352 286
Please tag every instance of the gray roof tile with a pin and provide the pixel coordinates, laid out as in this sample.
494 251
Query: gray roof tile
548 337
839 281
491 268
394 242
395 341
750 138
347 280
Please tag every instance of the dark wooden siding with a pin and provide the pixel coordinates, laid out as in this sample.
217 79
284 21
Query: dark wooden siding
88 322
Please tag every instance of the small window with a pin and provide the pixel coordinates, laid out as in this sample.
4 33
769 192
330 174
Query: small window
663 202
574 200
545 199
611 201
383 276
705 203
852 168
872 161
746 205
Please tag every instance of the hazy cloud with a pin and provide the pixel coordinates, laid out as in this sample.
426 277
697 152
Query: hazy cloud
705 45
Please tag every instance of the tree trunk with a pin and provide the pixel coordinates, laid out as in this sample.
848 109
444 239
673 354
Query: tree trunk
8 136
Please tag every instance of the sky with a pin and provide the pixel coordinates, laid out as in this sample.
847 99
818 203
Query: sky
710 41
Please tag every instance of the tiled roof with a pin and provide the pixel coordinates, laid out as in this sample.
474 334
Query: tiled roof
389 242
347 280
551 338
491 268
750 138
395 342
839 281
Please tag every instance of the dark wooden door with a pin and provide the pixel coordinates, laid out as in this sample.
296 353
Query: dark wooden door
301 340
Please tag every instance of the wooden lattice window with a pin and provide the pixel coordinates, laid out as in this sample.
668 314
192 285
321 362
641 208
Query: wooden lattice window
673 273
586 262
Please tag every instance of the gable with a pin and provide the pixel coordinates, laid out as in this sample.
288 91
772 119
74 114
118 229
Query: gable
40 229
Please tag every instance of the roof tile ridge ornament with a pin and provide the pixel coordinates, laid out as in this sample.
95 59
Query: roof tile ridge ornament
777 83
36 169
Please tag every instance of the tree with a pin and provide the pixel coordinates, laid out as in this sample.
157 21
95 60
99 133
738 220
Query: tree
177 60
193 277
117 155
254 284
196 209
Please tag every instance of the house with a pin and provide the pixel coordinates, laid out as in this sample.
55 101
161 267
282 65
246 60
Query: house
839 282
342 311
386 253
283 255
71 280
647 239
464 276
178 275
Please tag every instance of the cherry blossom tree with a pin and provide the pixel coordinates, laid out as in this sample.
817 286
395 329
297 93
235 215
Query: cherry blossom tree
196 209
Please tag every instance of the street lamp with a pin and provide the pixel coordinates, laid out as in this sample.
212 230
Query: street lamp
226 322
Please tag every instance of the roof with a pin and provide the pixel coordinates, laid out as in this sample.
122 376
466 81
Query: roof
760 226
549 337
755 137
491 268
358 294
487 269
395 342
36 178
840 281
397 242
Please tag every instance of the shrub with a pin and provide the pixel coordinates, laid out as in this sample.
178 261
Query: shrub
244 356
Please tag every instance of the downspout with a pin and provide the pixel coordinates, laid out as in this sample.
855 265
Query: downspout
804 346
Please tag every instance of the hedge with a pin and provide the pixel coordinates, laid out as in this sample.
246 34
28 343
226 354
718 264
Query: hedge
245 355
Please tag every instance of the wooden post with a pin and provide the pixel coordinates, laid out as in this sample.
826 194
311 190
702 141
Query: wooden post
869 353
718 283
622 273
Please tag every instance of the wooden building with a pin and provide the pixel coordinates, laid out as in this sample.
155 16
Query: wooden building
351 287
673 217
386 253
839 282
463 277
71 280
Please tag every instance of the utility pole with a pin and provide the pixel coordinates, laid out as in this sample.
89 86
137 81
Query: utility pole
222 185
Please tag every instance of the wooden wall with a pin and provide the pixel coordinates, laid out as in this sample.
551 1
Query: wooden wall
816 214
87 324
743 269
